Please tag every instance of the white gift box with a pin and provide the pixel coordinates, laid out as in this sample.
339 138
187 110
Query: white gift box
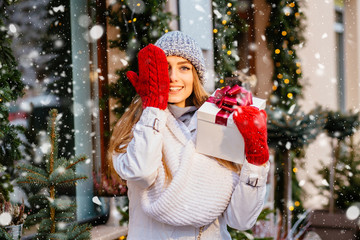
224 142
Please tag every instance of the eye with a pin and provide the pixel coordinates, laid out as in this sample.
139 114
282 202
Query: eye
184 68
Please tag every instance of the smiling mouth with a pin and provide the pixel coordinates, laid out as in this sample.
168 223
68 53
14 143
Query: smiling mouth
175 89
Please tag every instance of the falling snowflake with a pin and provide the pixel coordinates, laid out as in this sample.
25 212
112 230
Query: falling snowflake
96 32
325 182
96 200
352 212
60 8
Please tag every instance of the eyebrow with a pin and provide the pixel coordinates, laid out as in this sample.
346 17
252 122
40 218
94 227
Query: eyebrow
182 62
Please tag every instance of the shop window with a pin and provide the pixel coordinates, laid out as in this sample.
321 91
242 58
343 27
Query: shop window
60 50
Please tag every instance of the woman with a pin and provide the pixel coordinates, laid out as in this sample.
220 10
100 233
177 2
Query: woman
175 192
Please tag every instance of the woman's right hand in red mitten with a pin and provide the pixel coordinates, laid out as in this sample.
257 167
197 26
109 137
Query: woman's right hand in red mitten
251 123
153 81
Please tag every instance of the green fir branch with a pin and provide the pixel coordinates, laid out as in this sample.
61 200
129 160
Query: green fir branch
73 163
61 173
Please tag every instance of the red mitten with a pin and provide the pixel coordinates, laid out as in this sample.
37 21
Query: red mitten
251 123
153 81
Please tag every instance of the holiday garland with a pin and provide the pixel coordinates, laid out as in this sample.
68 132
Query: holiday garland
289 129
228 25
284 34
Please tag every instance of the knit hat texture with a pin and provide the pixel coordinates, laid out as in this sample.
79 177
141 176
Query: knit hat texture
179 44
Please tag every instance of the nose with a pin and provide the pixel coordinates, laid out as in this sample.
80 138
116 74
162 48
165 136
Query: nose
172 75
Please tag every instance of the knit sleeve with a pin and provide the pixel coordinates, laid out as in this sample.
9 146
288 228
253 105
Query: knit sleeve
248 197
143 154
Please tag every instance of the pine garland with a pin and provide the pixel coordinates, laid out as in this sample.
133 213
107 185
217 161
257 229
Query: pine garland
289 129
284 34
56 215
228 25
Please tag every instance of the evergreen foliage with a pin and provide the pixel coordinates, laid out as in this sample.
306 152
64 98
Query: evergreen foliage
11 88
284 34
139 24
228 25
341 127
294 129
289 129
57 213
346 179
289 133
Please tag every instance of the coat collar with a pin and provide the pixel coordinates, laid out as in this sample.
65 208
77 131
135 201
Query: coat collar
179 129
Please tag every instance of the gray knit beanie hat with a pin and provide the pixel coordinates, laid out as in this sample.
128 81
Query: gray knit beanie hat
179 44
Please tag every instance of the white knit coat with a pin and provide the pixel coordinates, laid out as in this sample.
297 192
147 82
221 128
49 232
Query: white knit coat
178 210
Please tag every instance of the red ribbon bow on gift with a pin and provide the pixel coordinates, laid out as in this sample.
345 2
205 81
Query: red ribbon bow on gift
228 97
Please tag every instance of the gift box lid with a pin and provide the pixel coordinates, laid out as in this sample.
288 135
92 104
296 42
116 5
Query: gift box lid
207 112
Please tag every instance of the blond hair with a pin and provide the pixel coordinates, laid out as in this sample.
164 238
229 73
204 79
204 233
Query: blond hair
122 132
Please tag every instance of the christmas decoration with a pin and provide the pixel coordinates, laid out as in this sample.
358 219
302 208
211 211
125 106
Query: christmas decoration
228 25
58 212
290 130
11 88
284 35
139 24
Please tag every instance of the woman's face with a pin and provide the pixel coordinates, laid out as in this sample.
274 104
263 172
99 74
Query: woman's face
181 80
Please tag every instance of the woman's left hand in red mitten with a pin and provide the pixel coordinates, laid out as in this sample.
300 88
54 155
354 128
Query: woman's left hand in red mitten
251 123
